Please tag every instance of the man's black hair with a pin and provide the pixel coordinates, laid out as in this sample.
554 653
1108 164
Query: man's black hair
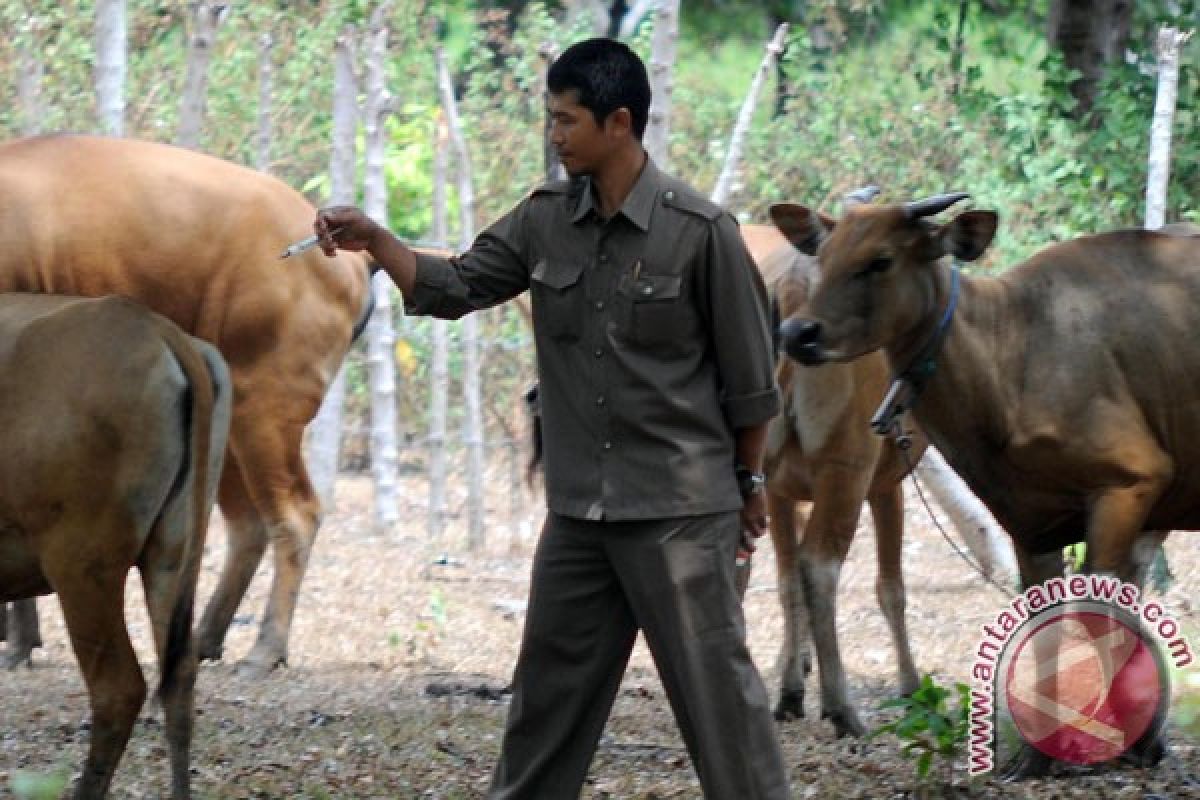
607 75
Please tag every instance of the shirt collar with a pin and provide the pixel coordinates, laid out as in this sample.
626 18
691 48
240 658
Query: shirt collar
638 205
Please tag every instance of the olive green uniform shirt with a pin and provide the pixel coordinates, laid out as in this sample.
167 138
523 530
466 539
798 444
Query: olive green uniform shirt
652 341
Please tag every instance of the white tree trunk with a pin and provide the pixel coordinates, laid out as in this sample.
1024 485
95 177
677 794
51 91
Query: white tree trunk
1170 41
325 432
266 43
381 337
439 368
634 16
110 66
662 66
725 182
206 17
472 391
983 536
29 77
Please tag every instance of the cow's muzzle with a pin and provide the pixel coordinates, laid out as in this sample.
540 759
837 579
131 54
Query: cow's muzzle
801 340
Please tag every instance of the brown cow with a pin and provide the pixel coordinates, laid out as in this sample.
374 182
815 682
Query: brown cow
198 240
112 431
821 450
1065 390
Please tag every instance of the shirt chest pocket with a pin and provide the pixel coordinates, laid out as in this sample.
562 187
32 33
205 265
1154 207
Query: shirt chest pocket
558 299
656 312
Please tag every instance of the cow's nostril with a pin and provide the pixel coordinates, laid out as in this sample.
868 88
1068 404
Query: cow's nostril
799 332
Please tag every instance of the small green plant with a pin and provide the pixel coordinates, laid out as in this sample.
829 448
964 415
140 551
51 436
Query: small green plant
28 785
933 733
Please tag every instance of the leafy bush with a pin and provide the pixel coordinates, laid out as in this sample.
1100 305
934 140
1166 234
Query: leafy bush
933 733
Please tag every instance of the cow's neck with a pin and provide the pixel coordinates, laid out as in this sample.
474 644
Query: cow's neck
963 407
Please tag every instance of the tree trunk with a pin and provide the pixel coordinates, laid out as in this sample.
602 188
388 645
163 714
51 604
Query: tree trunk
987 541
472 393
550 162
725 181
1090 34
439 368
266 44
24 634
206 17
662 65
110 66
381 337
1170 42
325 432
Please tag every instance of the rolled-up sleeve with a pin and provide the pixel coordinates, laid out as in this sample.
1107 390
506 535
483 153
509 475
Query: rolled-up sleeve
741 335
492 271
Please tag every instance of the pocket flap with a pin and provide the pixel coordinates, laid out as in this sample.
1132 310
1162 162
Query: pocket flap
557 274
648 288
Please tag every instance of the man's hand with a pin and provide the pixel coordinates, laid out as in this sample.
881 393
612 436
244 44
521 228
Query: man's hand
754 523
344 227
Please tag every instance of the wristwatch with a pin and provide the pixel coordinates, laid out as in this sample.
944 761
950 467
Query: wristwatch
749 482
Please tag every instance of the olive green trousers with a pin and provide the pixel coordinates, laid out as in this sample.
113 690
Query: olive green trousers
594 586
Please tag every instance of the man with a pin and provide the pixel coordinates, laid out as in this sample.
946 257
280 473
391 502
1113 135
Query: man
656 386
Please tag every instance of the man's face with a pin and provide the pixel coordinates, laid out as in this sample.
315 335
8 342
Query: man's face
582 144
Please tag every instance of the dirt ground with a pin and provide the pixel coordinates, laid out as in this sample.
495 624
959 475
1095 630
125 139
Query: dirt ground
384 617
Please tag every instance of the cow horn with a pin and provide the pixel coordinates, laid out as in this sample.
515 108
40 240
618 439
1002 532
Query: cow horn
932 205
860 196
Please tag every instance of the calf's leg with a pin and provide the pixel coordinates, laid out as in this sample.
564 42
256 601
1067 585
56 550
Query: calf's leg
795 660
887 509
23 633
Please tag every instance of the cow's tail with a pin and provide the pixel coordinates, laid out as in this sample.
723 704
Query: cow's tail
211 394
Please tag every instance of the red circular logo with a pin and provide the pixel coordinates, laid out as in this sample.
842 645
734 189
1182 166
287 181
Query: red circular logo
1082 685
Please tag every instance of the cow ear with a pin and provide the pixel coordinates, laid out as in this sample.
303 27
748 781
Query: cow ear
966 236
805 229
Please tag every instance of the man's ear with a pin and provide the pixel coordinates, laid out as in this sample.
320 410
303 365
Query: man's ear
804 228
620 122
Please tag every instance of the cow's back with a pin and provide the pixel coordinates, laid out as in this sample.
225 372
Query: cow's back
191 236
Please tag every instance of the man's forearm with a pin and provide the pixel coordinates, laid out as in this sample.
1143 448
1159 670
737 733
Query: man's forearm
396 259
750 444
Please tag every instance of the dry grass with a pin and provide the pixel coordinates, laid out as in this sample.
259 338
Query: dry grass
379 620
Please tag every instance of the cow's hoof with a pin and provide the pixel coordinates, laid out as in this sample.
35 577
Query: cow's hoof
845 722
209 651
260 663
1029 762
17 656
1148 751
791 705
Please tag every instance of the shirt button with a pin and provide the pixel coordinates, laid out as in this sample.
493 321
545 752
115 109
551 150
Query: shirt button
600 400
607 445
598 352
647 290
604 258
668 195
599 305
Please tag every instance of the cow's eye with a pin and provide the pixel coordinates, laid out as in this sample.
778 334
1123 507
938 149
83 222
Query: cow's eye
876 265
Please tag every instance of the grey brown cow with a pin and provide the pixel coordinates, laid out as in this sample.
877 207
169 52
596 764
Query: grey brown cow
112 432
1064 391
822 463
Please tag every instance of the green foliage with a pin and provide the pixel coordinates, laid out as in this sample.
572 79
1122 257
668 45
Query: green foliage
933 733
27 785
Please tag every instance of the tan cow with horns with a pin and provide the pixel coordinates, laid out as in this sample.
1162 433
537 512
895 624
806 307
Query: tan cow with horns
198 240
1064 391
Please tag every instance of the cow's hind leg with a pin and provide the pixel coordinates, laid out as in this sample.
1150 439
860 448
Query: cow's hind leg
93 609
887 509
23 632
795 660
162 579
246 542
271 464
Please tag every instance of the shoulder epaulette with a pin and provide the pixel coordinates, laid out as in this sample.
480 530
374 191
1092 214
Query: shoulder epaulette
552 187
692 202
